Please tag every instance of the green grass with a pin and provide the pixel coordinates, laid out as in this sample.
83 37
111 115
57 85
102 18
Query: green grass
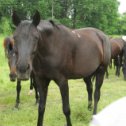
112 89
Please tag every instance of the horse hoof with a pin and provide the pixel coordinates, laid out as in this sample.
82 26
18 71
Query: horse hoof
15 108
30 92
90 108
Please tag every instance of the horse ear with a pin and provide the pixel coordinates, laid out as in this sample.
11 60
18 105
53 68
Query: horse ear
52 22
36 18
16 20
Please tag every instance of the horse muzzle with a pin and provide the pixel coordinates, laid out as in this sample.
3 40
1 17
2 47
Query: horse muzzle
12 77
23 76
23 72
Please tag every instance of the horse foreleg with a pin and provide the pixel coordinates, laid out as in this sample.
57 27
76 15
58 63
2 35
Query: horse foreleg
107 74
31 85
18 89
118 64
36 90
89 90
32 77
64 90
43 89
99 81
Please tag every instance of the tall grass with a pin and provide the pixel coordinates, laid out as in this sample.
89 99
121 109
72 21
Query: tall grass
112 89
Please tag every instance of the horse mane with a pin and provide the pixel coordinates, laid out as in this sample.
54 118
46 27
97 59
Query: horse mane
45 27
48 26
53 23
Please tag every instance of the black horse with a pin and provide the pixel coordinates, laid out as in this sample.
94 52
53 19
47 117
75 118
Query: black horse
55 52
11 56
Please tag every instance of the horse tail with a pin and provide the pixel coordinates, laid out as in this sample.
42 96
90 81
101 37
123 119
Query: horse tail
106 47
106 50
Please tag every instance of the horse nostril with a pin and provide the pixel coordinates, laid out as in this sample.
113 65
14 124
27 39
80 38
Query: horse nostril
23 68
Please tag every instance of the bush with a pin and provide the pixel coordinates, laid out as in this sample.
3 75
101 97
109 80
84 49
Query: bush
5 27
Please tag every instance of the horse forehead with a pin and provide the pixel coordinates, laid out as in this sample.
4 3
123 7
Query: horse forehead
25 27
25 35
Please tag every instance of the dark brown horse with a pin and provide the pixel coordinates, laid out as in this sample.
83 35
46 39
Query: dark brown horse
12 58
55 52
117 52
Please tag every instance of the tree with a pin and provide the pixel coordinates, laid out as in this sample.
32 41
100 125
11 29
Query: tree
121 25
102 14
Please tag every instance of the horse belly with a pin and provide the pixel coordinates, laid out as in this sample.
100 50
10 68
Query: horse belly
87 62
86 69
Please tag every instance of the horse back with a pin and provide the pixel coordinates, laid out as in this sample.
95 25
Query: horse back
117 46
97 41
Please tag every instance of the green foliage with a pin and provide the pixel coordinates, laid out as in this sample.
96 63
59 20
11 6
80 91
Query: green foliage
122 24
5 26
66 21
3 60
102 14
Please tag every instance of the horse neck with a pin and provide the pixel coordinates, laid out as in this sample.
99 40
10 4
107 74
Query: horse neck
53 44
46 44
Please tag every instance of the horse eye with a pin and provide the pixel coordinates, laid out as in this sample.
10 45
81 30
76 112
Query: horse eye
33 52
16 52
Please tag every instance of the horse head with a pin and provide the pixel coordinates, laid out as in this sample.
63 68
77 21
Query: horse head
10 54
26 37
